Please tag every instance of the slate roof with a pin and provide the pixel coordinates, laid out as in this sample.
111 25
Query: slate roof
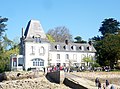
78 47
34 29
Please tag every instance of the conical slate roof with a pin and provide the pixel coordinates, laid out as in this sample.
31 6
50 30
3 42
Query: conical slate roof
34 29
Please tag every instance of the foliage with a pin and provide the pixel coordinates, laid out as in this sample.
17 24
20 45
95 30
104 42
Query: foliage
5 58
2 26
109 50
7 43
50 38
109 26
95 64
108 45
2 30
60 34
7 47
79 40
87 60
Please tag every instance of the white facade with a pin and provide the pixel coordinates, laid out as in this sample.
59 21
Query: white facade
73 57
38 53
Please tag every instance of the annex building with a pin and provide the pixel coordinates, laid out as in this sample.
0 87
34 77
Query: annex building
37 52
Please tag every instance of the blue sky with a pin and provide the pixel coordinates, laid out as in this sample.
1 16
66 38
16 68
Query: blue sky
82 17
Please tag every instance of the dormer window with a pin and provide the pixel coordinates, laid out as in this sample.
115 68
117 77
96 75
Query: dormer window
81 48
74 48
57 47
66 47
89 48
37 39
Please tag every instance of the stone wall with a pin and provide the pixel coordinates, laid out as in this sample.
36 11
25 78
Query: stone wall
19 75
73 84
27 80
56 76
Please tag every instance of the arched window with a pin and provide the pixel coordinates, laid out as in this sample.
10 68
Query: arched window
38 62
42 51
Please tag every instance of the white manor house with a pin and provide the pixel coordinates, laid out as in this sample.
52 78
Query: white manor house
37 52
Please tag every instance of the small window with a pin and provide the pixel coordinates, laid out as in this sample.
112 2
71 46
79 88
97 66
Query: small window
74 48
37 39
58 56
66 56
74 56
66 47
81 48
58 47
89 48
50 55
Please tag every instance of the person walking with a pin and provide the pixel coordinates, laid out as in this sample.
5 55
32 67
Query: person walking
96 82
107 83
99 85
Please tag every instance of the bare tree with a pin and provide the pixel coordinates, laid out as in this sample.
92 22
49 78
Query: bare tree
60 34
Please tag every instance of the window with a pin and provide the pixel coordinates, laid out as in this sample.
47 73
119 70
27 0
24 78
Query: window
14 62
81 48
66 56
89 48
58 56
20 61
66 47
37 39
50 56
32 50
58 47
74 57
42 51
38 62
74 48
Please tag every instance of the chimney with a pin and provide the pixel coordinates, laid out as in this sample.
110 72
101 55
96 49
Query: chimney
66 42
22 32
90 42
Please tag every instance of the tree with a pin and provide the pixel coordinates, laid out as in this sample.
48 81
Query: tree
50 38
2 30
109 26
108 44
79 40
7 43
109 50
87 60
60 34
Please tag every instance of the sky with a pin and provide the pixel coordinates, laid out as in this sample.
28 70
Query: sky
82 17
